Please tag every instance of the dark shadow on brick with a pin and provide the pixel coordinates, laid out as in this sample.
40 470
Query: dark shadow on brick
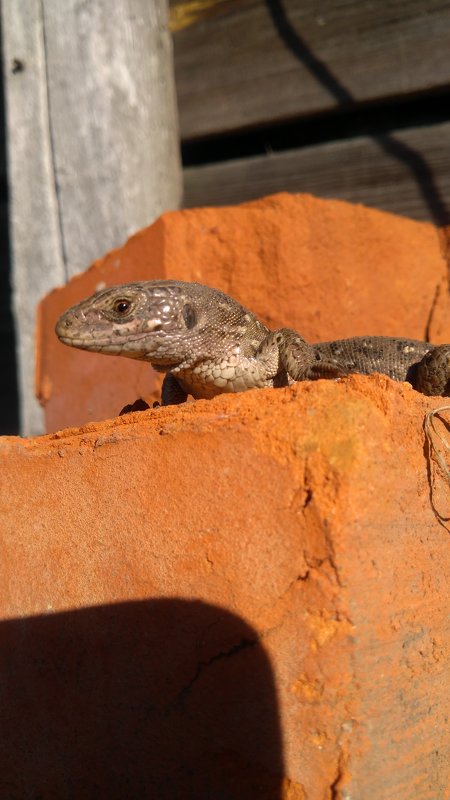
165 699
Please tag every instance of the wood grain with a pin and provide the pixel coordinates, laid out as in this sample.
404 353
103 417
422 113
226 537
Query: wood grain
92 142
241 63
406 172
113 118
37 250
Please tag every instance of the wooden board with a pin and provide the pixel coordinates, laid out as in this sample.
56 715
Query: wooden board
93 150
113 116
407 172
241 63
9 411
34 224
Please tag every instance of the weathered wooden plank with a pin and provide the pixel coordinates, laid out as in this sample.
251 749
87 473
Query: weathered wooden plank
406 172
249 62
92 142
113 118
34 224
9 401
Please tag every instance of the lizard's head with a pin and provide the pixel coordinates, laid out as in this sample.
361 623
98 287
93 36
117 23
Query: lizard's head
165 322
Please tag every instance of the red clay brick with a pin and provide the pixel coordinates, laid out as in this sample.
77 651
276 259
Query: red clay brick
246 597
327 268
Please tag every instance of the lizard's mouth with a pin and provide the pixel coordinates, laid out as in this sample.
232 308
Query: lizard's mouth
131 347
91 342
97 346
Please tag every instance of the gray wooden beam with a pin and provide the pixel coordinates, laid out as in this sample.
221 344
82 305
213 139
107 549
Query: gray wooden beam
241 63
406 172
93 150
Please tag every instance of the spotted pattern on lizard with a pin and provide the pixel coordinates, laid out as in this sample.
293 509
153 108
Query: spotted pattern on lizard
206 343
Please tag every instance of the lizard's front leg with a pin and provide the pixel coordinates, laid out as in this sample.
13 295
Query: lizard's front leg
433 372
300 360
172 394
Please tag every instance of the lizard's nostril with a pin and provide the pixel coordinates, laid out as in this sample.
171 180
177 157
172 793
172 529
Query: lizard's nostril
63 324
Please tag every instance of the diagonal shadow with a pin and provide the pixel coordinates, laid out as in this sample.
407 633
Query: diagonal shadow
416 163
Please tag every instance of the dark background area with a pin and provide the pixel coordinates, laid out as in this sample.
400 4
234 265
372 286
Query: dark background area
9 397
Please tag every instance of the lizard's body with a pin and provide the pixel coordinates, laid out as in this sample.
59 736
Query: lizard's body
207 343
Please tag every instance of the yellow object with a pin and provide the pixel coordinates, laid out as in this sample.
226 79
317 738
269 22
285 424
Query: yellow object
188 12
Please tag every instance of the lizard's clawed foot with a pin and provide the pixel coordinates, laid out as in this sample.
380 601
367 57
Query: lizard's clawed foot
301 361
138 405
325 369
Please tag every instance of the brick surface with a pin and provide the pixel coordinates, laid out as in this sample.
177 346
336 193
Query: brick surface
240 598
326 268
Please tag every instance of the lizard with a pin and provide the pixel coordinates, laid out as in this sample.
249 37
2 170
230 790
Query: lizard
206 343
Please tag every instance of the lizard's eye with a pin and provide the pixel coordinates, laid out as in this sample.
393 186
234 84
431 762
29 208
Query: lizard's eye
189 316
121 306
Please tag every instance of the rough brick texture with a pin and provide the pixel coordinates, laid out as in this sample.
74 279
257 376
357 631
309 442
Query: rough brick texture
327 268
240 598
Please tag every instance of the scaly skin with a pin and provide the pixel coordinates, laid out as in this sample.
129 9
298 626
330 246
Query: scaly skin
207 343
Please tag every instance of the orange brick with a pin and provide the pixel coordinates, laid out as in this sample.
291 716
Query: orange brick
326 268
240 598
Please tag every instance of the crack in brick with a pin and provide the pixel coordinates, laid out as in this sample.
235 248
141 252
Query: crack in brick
337 789
331 555
308 497
434 301
202 665
331 552
334 786
444 242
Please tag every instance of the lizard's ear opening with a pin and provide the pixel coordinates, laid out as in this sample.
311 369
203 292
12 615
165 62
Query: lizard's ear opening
189 316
